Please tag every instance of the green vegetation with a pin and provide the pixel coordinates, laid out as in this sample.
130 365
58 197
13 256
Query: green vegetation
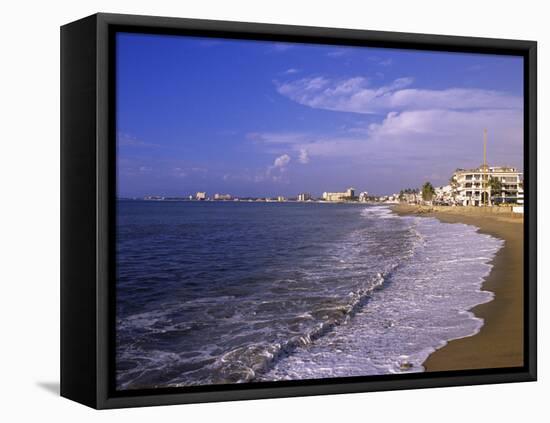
428 191
404 193
496 186
454 185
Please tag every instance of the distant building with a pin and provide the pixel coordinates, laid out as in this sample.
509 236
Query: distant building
410 196
339 196
386 199
222 196
393 199
473 186
304 197
444 195
200 196
364 196
280 199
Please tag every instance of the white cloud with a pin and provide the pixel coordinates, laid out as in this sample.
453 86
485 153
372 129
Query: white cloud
276 170
357 95
276 137
282 161
291 71
439 138
442 124
442 140
304 156
315 84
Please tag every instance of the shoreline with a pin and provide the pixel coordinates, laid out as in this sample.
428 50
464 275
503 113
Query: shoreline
499 343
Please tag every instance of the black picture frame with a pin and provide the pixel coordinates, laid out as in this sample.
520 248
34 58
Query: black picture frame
88 153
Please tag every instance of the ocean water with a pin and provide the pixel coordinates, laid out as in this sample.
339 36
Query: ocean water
227 292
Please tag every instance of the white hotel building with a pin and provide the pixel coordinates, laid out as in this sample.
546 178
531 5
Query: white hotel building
339 196
472 188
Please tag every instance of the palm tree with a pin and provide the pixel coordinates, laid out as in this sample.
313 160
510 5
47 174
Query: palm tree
454 185
495 187
428 191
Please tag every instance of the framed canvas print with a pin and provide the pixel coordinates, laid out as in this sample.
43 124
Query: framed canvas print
256 211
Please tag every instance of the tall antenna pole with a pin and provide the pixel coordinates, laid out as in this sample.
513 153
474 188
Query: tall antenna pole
483 181
484 148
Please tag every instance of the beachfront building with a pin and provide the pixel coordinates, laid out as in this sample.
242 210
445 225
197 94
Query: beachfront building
472 187
304 196
364 196
281 199
410 196
222 197
349 194
392 199
200 196
445 195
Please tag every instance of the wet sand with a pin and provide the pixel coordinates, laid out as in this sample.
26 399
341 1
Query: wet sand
500 341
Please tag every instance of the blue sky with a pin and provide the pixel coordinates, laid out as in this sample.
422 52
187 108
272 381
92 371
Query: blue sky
255 118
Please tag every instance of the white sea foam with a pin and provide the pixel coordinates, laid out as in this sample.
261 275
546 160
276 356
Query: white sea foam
424 304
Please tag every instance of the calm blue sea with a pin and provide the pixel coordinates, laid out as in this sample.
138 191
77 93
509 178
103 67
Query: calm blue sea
229 292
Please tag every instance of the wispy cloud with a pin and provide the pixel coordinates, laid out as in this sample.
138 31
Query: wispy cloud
381 61
183 172
339 52
358 95
281 47
276 137
127 140
304 156
291 71
179 172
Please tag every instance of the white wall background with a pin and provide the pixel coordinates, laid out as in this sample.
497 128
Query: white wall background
29 208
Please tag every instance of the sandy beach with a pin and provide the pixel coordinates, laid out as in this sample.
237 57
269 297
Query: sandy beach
500 341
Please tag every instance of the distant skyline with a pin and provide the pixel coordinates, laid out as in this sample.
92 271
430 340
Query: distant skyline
254 118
